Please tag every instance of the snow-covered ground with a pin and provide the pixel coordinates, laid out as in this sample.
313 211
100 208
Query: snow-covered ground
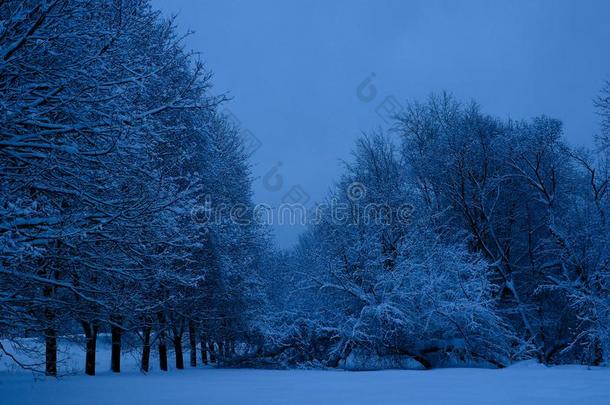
523 383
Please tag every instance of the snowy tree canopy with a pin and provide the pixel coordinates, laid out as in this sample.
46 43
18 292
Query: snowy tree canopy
456 238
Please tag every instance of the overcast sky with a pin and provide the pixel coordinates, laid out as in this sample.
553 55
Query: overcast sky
294 69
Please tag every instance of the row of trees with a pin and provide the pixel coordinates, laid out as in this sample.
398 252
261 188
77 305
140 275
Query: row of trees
505 255
109 137
465 239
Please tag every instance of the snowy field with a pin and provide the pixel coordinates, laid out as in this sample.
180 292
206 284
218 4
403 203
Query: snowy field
523 383
520 384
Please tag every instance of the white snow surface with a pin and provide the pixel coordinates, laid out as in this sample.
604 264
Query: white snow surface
522 383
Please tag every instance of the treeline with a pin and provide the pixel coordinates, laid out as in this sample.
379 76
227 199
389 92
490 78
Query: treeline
454 239
505 255
109 140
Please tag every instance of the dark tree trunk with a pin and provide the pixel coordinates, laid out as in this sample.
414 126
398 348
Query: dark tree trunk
91 342
145 364
116 332
178 351
221 352
204 351
162 355
193 343
212 348
162 343
598 353
50 340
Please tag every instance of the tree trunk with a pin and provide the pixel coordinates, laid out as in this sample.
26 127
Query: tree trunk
162 343
145 364
221 352
50 337
162 354
91 342
116 333
50 340
213 358
178 351
204 351
193 343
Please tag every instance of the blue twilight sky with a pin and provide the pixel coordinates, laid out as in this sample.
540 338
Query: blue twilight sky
293 69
